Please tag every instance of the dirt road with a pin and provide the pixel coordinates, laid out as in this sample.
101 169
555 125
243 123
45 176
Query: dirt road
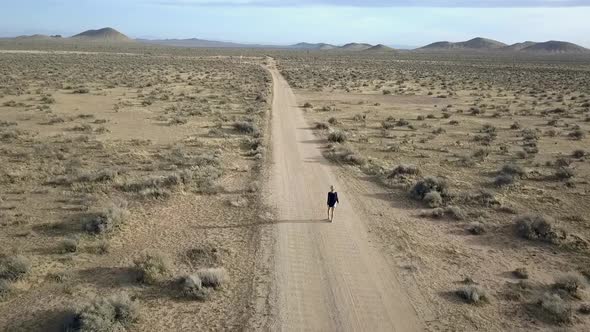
328 276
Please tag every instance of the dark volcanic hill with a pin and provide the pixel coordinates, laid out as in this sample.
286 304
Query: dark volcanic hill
481 44
378 49
555 47
472 44
355 47
438 45
519 46
104 34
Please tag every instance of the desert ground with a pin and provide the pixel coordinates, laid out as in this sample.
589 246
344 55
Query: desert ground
481 168
122 175
163 189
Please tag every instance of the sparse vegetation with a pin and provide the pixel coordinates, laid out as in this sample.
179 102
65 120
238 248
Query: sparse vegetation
473 294
337 137
105 219
554 308
536 227
213 277
152 267
14 267
113 313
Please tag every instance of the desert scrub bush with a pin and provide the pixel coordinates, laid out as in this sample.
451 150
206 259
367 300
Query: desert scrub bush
14 267
322 126
81 90
427 185
536 227
521 273
570 283
337 136
449 211
213 277
404 170
577 134
564 173
6 288
151 267
106 219
333 121
433 199
388 124
584 309
68 246
245 127
346 155
191 287
553 308
578 154
99 176
113 313
307 105
508 174
473 294
476 228
501 180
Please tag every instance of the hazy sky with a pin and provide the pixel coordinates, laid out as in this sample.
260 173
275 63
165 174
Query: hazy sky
392 22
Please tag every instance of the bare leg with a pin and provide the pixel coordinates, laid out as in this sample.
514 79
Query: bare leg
328 213
332 219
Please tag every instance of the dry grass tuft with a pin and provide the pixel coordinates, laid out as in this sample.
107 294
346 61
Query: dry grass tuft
213 277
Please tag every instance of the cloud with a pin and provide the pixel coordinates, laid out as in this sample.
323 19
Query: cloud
380 3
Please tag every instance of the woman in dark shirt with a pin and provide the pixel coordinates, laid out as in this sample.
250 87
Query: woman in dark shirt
332 200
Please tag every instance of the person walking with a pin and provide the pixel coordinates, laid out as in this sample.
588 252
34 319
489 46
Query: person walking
332 201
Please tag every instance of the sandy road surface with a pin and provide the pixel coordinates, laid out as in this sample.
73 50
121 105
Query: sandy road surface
328 276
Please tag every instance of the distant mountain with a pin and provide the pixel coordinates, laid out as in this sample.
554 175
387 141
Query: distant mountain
555 47
438 45
198 43
33 37
104 34
380 48
355 47
310 46
472 44
481 44
519 46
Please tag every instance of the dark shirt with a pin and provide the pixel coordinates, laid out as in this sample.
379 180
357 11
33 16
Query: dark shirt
332 198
